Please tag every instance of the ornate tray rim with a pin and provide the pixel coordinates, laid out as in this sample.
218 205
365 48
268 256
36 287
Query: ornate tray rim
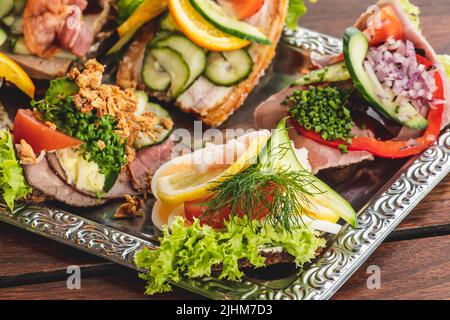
321 279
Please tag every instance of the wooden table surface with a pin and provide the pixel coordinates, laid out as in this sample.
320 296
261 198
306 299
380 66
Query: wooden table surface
414 261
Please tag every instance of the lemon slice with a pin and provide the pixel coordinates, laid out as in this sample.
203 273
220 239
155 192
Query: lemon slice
181 180
200 31
162 216
12 72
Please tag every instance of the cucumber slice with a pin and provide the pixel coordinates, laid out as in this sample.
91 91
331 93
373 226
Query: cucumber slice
334 73
8 20
279 155
192 54
144 140
356 47
167 23
221 20
6 6
228 68
175 66
3 37
161 35
17 26
20 47
153 74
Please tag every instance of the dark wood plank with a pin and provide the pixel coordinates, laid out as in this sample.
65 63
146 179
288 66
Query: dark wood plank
414 269
28 257
328 17
432 211
123 284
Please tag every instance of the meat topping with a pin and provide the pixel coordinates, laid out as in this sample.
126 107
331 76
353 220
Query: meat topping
49 25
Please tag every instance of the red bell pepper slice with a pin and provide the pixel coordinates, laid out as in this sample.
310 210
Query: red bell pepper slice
393 149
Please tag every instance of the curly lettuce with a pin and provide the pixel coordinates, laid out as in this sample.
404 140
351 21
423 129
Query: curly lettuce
412 11
296 9
12 182
192 251
445 62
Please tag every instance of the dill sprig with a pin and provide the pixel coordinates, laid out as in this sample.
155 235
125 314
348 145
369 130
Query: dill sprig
266 191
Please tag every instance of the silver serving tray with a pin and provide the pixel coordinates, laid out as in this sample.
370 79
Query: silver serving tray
96 232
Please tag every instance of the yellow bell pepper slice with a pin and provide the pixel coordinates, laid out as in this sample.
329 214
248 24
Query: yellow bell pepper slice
12 72
148 10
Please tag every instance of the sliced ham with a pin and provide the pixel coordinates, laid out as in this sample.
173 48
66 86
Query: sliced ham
321 157
323 60
75 35
147 162
48 24
41 177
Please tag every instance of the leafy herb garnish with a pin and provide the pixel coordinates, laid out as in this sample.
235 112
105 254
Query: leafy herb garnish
58 107
280 197
322 110
276 189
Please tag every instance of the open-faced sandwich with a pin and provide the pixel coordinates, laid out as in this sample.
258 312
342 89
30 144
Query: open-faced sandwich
250 202
46 37
204 55
86 142
386 96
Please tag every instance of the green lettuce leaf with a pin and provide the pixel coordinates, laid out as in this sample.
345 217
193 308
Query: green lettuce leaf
445 62
60 89
125 8
12 181
412 11
192 251
296 9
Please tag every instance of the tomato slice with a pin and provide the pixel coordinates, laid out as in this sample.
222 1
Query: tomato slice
196 209
39 136
244 9
391 26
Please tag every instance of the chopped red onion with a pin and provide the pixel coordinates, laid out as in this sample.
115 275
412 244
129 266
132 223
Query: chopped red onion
395 65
